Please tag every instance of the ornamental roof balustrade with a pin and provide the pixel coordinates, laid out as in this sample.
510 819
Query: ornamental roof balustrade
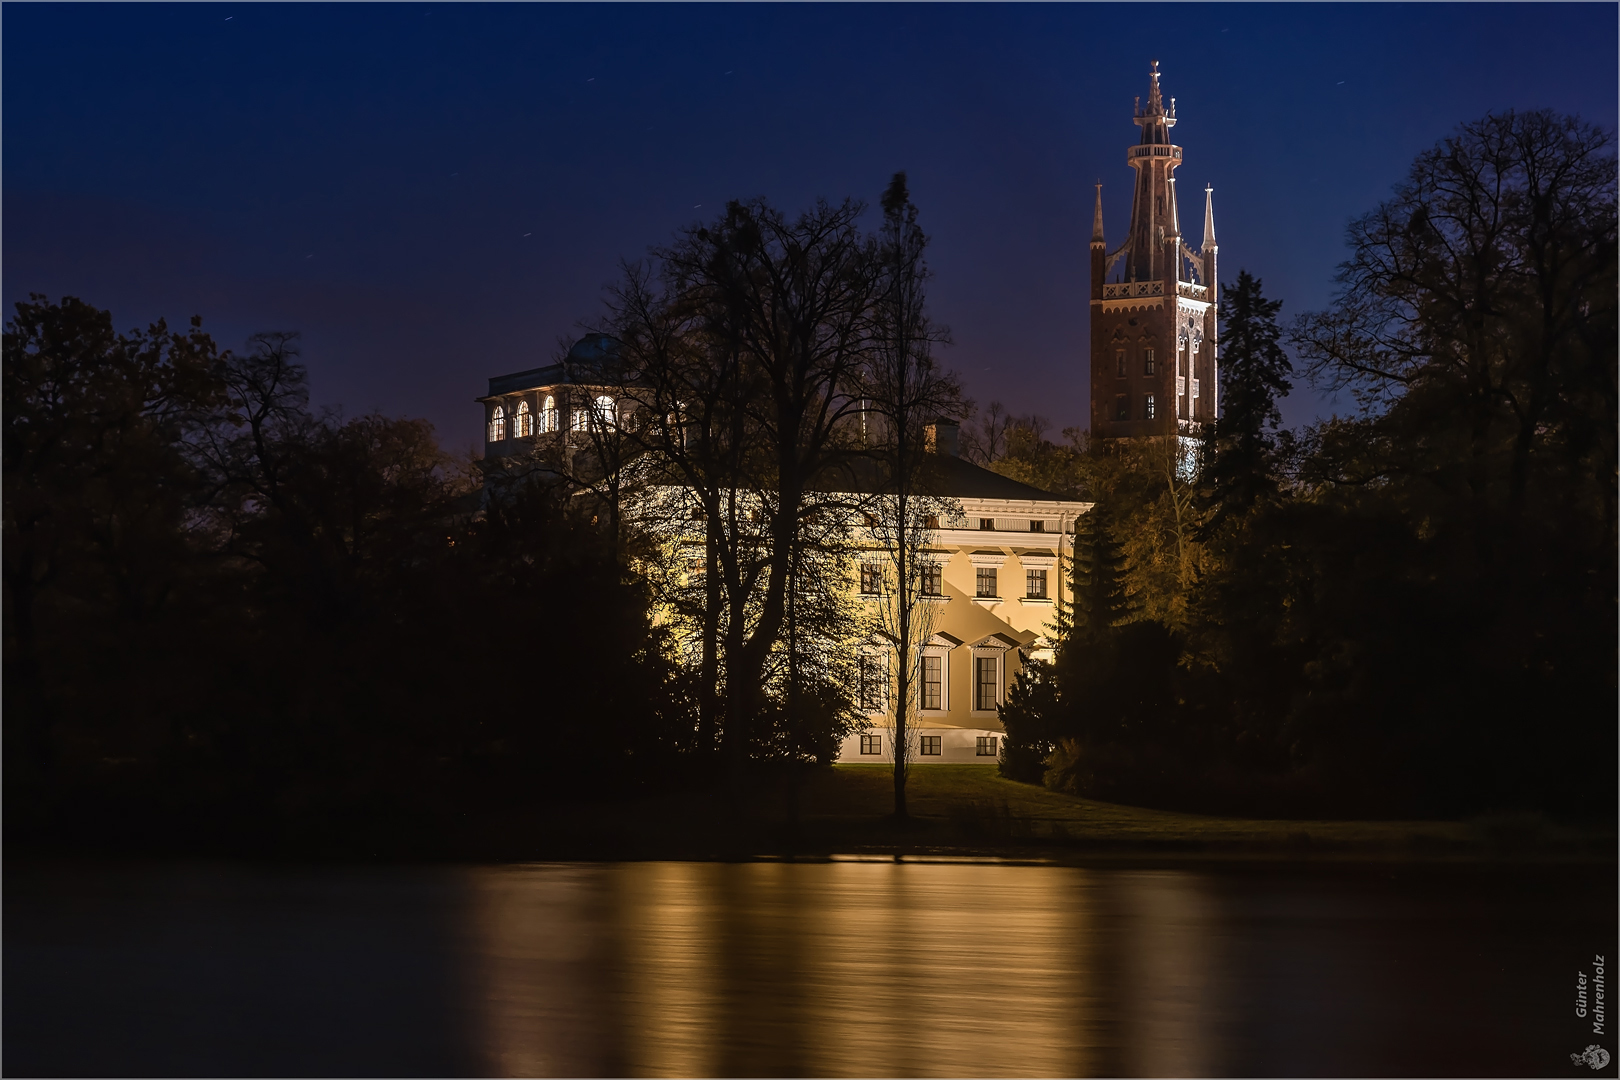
1190 291
1125 289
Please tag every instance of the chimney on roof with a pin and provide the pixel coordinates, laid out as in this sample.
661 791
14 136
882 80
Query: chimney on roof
941 437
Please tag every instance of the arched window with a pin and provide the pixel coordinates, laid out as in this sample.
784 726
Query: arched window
604 414
524 420
548 414
497 425
579 419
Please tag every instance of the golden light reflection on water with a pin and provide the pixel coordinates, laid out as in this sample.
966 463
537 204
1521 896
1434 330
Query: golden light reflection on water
855 968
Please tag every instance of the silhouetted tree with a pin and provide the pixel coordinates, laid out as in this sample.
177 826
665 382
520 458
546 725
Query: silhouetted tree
1238 468
904 386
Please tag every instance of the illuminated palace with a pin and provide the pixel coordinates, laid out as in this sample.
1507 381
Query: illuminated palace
998 570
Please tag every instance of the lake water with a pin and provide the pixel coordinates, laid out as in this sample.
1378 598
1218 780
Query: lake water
839 968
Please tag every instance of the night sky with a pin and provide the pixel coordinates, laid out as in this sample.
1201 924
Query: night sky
434 194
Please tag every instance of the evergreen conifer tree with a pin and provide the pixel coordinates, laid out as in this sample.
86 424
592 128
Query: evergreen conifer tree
1239 448
1100 601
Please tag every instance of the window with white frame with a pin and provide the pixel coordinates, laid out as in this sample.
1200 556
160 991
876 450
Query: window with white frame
933 681
548 414
984 581
874 682
525 420
1035 584
497 424
986 682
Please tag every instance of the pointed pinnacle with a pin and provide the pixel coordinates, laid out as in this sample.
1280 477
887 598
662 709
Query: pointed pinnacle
1209 217
1096 218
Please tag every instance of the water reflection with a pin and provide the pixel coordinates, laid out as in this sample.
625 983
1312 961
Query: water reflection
771 968
847 968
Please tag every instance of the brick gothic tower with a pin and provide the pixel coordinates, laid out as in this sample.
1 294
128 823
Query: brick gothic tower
1153 369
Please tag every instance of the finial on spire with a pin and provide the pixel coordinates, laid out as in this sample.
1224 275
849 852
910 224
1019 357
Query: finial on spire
1155 102
1209 218
1096 218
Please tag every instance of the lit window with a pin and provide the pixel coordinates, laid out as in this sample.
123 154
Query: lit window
985 746
985 683
1035 584
1119 362
874 683
933 682
524 420
1122 407
933 583
931 745
548 414
987 524
1037 526
497 424
985 581
603 413
871 579
578 419
1147 362
871 744
1147 408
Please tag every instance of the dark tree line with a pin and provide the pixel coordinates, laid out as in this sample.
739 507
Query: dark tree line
230 618
1409 609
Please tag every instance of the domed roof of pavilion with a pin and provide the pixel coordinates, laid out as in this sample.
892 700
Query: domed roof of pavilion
594 349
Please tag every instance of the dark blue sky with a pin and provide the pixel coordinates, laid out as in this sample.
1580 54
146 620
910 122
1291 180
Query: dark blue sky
434 194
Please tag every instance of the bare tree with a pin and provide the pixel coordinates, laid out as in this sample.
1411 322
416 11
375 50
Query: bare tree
907 389
745 354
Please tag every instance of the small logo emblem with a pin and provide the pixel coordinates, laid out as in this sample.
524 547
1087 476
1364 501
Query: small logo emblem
1595 1056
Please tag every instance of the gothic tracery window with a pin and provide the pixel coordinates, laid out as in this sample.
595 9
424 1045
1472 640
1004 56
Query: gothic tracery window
497 424
524 420
548 414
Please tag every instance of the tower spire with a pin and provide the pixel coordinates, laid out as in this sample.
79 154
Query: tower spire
1155 102
1096 218
1209 217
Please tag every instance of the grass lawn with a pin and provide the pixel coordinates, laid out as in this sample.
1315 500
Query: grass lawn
972 800
970 810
